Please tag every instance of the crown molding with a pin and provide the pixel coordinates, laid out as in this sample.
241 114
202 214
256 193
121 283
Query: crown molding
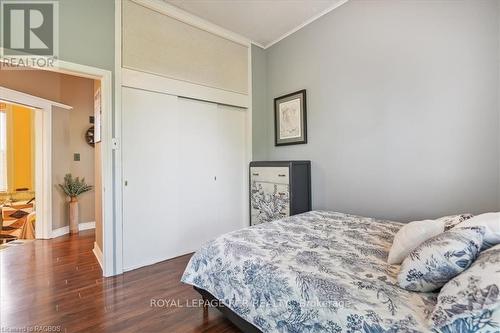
258 44
196 21
193 20
309 21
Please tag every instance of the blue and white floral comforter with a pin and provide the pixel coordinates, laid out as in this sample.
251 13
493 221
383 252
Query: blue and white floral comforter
314 272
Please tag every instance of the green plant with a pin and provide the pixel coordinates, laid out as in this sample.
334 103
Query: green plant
73 187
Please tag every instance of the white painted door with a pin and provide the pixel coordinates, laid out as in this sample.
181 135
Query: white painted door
197 158
232 170
184 175
150 176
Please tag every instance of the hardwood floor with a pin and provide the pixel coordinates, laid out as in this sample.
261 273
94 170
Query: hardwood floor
58 286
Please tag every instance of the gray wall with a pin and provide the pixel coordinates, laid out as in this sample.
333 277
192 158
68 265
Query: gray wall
87 32
403 106
87 36
259 104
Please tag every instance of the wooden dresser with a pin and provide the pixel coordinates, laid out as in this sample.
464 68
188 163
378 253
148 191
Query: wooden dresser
279 189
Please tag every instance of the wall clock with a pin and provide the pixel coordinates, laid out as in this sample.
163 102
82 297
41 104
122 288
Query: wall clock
89 136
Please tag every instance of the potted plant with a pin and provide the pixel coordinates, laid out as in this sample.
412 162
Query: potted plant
73 187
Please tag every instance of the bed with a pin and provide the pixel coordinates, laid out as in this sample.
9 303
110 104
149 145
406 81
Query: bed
315 272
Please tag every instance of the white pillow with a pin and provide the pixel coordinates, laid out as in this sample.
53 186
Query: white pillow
411 235
491 222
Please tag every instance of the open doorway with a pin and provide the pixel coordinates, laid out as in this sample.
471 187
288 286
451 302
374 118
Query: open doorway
65 116
17 173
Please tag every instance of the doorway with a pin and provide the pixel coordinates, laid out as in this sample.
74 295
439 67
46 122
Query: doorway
17 170
40 110
44 110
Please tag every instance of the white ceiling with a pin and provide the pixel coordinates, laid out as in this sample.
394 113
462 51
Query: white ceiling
264 22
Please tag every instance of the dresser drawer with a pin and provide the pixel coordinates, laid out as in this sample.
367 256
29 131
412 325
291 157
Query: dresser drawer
272 194
269 202
278 175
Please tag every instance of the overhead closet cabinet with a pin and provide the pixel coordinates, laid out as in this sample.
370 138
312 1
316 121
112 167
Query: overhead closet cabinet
185 134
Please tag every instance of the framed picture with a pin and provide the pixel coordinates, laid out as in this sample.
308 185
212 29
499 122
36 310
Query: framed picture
290 119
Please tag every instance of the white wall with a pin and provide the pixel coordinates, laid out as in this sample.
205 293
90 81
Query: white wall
403 106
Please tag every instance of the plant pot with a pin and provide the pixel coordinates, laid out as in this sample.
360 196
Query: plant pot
73 216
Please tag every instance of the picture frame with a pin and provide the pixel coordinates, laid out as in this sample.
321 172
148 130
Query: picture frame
290 119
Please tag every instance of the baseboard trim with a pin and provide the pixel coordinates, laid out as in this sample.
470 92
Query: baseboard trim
86 225
156 260
98 254
65 230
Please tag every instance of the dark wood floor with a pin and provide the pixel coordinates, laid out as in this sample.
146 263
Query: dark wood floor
59 283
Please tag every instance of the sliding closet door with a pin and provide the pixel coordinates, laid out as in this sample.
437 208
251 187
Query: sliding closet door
150 175
184 174
198 156
231 168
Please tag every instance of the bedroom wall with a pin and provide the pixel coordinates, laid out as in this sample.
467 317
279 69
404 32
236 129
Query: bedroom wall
87 32
403 107
259 105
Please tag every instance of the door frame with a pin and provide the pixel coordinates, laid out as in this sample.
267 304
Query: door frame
42 109
110 251
108 255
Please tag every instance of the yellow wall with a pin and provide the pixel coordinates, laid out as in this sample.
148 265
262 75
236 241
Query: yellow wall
21 161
